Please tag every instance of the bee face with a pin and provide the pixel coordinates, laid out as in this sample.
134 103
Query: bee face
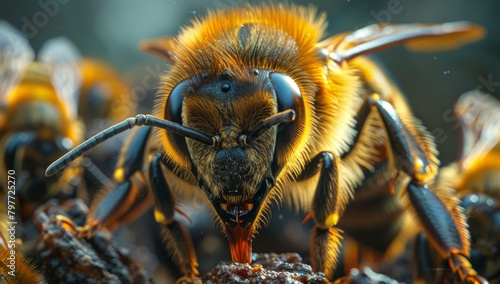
229 106
230 109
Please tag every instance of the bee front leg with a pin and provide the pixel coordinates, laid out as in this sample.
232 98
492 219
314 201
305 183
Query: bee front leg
122 204
327 204
130 198
411 152
175 235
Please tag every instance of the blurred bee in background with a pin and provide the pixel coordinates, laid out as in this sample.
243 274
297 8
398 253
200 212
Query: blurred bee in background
478 167
104 93
66 96
259 108
476 177
39 120
37 124
104 99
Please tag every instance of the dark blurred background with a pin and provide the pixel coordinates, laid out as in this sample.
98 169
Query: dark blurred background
111 30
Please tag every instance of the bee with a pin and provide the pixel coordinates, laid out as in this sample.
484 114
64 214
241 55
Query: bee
104 94
476 177
261 107
478 167
38 117
104 99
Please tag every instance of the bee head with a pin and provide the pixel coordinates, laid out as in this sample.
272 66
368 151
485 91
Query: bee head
251 116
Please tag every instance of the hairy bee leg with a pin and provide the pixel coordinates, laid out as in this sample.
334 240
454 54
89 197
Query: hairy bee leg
132 159
175 235
126 201
443 231
122 204
327 203
460 263
17 141
446 230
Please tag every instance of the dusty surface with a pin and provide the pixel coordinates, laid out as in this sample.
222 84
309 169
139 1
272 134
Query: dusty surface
65 258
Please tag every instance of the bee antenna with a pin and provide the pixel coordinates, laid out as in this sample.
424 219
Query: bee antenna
280 117
116 129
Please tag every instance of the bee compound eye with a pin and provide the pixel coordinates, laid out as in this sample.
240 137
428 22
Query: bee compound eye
287 92
173 113
173 107
288 97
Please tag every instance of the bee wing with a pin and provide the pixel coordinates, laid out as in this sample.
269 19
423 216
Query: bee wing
15 55
479 117
62 58
162 47
417 37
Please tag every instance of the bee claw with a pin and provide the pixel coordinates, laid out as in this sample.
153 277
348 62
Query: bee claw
68 224
463 268
87 231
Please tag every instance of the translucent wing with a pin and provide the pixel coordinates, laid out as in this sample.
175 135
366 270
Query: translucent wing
15 55
161 47
62 57
479 117
418 37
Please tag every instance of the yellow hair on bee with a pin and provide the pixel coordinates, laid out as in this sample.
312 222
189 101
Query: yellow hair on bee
279 37
326 246
481 176
97 73
24 271
35 104
424 138
445 191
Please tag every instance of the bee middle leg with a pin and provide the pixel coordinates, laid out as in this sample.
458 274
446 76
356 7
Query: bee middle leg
328 201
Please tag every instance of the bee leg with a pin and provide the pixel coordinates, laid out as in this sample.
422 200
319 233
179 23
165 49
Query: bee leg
17 141
122 204
327 202
132 158
175 235
448 235
130 198
411 154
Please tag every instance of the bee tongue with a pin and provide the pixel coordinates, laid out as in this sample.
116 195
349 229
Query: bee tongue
238 214
240 243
